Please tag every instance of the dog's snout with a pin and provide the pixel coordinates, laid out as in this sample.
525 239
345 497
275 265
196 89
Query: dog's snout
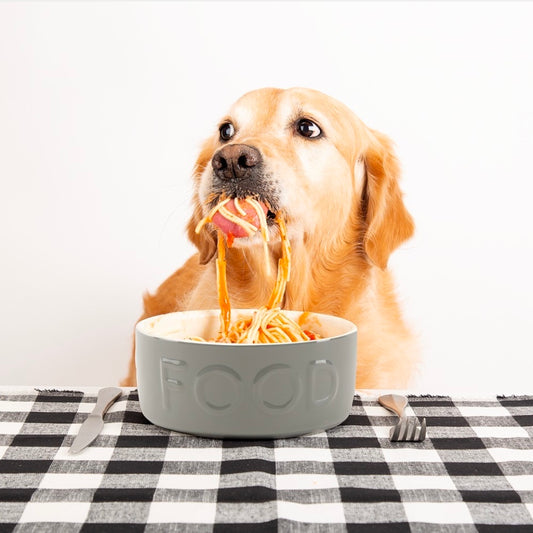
236 161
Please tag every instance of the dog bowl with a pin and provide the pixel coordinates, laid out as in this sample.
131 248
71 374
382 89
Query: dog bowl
244 390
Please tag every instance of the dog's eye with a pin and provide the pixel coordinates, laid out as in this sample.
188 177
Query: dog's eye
307 128
227 131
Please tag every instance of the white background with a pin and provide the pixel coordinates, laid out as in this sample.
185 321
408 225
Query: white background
103 107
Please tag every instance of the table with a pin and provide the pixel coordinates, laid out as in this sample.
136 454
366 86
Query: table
474 472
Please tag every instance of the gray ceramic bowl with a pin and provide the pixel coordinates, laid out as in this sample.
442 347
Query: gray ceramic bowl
247 390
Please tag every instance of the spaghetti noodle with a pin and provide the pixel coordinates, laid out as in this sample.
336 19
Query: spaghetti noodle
268 324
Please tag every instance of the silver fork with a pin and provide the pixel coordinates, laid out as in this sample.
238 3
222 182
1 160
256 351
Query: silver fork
407 428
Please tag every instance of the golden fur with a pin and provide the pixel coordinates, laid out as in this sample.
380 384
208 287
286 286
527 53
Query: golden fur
344 214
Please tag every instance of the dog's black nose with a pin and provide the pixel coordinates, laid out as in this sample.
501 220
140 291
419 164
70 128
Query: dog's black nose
236 161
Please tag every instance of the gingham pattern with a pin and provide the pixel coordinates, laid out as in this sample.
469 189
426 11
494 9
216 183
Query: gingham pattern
474 472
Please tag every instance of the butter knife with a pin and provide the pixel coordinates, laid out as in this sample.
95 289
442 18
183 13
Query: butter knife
93 424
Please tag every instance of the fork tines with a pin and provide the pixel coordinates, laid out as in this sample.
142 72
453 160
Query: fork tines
408 430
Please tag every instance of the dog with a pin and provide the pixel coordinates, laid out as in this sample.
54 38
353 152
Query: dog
336 181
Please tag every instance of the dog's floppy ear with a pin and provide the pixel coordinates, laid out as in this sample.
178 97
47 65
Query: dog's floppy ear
387 221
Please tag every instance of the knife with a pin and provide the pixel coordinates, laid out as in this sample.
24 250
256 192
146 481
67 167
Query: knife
93 424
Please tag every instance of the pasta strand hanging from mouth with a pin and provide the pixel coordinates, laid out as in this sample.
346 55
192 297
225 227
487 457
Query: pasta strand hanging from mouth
263 227
284 268
268 324
222 287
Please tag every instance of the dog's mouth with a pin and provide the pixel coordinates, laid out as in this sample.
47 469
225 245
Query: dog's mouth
241 218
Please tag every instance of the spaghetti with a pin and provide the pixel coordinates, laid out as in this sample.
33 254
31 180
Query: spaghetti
268 324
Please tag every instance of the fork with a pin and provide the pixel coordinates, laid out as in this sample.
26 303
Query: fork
407 428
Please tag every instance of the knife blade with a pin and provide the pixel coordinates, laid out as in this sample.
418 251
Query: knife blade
93 424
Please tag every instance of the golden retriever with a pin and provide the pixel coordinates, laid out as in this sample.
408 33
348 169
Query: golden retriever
336 182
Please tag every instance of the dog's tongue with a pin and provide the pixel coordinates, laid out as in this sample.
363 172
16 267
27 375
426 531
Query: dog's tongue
234 230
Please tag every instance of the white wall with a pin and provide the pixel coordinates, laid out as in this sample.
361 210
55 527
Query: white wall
103 107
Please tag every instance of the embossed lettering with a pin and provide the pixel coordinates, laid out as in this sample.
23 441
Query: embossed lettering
323 381
217 388
276 388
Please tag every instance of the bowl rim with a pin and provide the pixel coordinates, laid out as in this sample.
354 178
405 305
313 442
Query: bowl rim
140 328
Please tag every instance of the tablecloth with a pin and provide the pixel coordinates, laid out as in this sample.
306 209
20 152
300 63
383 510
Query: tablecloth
474 471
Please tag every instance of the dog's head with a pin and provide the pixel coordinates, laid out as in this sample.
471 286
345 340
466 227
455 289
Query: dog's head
308 156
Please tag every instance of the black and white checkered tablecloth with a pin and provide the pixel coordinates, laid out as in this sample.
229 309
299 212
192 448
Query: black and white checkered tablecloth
474 472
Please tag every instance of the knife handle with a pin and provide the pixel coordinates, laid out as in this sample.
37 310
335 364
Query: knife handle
105 399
